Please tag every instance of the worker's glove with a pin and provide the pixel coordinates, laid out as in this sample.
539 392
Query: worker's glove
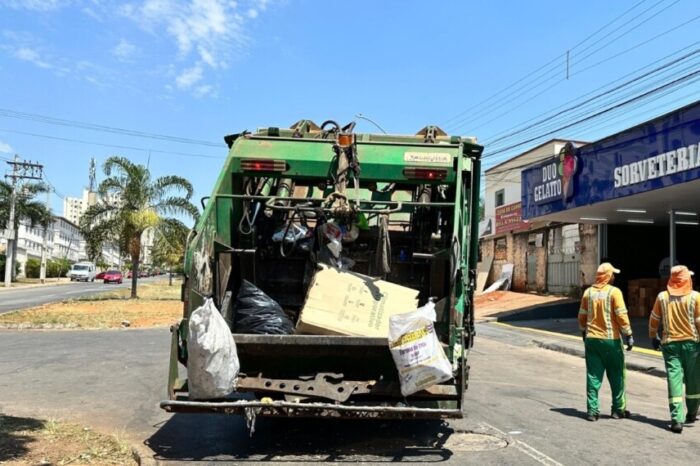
656 343
629 341
583 335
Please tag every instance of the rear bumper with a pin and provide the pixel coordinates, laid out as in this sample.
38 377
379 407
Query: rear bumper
291 409
282 357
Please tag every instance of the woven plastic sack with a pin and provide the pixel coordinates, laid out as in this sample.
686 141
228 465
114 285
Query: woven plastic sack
212 360
416 350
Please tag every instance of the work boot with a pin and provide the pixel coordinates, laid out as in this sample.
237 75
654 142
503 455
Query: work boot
621 414
592 417
676 427
691 418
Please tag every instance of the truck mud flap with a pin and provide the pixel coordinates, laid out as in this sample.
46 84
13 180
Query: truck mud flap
291 409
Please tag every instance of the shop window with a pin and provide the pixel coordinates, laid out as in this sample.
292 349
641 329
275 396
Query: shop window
500 197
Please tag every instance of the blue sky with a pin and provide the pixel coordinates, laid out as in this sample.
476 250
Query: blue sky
202 69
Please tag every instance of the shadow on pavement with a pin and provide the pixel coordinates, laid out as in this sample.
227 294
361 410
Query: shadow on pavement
636 417
660 423
198 437
570 412
16 435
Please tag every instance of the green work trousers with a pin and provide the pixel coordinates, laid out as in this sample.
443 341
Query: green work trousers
605 356
681 359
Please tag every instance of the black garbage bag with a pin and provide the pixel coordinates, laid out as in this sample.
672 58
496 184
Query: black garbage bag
255 312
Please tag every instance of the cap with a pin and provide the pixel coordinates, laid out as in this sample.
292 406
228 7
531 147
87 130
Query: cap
607 267
679 269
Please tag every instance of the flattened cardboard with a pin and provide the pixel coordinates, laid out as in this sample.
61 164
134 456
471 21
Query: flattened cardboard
348 303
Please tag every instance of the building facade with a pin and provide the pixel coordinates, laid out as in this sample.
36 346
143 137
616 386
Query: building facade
63 241
640 189
547 257
75 207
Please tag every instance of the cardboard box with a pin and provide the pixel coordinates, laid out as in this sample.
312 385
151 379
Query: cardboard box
348 303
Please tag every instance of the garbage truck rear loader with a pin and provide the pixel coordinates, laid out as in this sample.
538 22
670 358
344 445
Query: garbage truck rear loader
405 210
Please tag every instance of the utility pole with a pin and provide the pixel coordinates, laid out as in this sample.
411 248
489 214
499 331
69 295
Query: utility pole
20 171
44 246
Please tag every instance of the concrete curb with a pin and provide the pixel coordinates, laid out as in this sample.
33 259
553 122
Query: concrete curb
142 457
34 285
28 326
635 366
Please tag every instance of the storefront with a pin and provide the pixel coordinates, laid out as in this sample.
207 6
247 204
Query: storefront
641 187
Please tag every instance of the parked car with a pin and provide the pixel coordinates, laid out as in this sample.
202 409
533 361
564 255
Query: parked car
113 276
101 275
129 274
143 274
83 271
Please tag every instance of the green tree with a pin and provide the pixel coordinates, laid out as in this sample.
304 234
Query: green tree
130 203
32 269
27 210
169 245
2 267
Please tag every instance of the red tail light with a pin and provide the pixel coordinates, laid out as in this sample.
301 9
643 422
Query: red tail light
425 173
253 165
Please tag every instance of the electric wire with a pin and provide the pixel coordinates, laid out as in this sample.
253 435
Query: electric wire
9 113
494 137
558 57
636 98
521 92
554 118
558 121
113 146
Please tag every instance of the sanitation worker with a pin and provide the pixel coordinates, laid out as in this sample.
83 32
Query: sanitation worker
602 318
678 311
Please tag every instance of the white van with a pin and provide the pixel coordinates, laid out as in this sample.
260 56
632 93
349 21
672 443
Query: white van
83 271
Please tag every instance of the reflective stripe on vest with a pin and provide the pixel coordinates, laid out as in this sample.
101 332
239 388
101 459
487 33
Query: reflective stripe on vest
665 298
691 313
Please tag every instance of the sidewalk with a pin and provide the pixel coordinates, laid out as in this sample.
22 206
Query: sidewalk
507 305
570 327
639 359
34 283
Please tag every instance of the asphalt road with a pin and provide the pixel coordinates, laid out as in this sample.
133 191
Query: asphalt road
23 298
525 405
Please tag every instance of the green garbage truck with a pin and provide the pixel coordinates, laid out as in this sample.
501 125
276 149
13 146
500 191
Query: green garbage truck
404 209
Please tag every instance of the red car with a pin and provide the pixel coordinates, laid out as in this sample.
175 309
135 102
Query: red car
100 276
113 276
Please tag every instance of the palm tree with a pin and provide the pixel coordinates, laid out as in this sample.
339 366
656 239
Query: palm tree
27 209
169 245
131 203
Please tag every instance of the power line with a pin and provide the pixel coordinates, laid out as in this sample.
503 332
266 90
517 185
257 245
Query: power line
548 119
629 30
617 80
602 112
556 121
507 100
108 129
550 87
598 126
558 57
114 146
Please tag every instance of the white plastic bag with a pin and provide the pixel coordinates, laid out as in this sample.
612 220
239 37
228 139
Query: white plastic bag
416 350
212 360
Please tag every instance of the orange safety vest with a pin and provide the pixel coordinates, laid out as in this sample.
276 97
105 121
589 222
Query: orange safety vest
680 316
603 314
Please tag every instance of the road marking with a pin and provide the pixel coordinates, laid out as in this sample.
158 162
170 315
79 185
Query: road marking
646 351
530 451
